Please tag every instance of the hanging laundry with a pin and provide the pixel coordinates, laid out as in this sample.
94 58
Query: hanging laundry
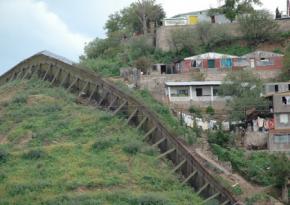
255 126
271 124
226 126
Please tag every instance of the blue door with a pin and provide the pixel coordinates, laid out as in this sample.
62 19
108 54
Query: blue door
227 63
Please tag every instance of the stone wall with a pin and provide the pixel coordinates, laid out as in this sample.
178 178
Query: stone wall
163 35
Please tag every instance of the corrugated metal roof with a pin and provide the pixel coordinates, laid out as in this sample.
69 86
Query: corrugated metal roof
262 54
210 55
196 83
55 56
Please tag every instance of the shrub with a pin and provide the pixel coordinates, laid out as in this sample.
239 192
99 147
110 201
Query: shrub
195 110
34 154
132 147
148 150
221 138
2 177
278 50
102 144
20 99
210 110
3 156
51 108
152 199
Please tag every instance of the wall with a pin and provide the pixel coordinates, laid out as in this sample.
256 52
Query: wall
278 124
163 35
279 107
277 64
273 145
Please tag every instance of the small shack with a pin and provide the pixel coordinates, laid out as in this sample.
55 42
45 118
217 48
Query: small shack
210 61
263 60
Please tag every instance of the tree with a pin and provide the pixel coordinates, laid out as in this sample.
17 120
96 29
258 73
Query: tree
285 75
209 35
114 23
148 11
143 63
138 16
184 39
280 169
244 88
233 8
258 27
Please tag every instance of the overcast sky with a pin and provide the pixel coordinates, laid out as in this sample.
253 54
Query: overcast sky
64 26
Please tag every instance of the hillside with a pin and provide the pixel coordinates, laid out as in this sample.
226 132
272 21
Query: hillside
56 151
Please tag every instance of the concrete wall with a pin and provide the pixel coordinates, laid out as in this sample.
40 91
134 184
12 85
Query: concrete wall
270 87
279 142
279 124
279 106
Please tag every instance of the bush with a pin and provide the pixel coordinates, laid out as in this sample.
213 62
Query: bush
3 156
20 99
132 147
152 199
102 144
210 110
195 110
148 150
220 138
34 155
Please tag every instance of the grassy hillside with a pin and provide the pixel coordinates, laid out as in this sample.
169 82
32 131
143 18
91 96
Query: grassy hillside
55 151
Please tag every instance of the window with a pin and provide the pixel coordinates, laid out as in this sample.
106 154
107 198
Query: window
182 92
198 92
283 118
215 92
286 100
282 139
276 88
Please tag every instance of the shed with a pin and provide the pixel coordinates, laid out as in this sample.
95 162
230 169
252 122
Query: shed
263 60
211 60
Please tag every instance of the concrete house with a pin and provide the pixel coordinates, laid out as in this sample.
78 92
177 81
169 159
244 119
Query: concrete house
271 88
262 60
210 61
279 138
203 93
193 18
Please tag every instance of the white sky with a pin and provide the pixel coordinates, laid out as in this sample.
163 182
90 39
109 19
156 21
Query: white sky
64 26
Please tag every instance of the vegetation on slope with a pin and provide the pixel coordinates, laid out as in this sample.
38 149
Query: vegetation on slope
54 151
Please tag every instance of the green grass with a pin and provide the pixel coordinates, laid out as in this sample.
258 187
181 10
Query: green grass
58 152
164 114
255 166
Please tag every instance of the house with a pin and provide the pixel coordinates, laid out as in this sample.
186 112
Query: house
279 137
203 93
262 60
210 61
271 88
193 18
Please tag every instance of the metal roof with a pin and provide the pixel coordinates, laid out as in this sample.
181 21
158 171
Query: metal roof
195 83
191 13
210 55
55 56
262 54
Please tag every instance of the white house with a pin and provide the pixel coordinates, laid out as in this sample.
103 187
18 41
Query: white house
195 91
193 18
